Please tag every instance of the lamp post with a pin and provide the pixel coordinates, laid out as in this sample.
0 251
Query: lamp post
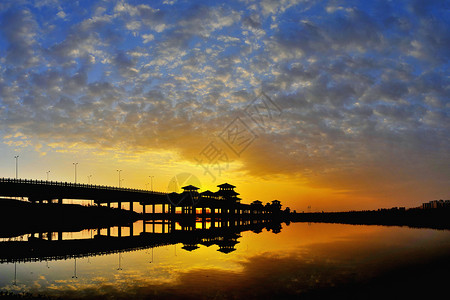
47 174
119 176
17 166
75 165
89 179
151 182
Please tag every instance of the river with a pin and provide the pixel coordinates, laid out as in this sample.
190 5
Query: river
307 260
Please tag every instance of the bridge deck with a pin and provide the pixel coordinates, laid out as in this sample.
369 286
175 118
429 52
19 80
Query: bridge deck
48 190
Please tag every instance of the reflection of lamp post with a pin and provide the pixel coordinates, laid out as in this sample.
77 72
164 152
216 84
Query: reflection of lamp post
15 273
152 255
75 270
151 182
119 176
75 165
17 166
47 174
120 266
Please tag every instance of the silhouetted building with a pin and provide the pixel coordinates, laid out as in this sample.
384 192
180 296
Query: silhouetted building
190 194
434 204
256 207
276 205
226 192
190 188
208 195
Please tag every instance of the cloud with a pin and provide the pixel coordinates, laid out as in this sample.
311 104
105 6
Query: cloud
20 29
362 87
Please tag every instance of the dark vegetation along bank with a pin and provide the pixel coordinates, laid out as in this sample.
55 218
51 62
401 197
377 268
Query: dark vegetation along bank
438 218
21 217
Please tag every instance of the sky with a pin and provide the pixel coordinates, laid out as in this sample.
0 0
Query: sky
324 105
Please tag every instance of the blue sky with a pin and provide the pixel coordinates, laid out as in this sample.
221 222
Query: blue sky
362 85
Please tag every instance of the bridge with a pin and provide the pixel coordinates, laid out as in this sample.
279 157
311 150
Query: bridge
40 191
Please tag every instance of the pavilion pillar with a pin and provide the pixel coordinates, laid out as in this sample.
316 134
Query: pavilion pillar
172 225
119 205
131 205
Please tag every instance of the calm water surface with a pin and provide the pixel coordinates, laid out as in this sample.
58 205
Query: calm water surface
303 260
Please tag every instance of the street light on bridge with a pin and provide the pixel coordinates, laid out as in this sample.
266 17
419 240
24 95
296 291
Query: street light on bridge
119 176
47 174
17 166
89 179
151 182
75 165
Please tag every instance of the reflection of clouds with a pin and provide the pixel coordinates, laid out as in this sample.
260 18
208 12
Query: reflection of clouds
320 269
351 260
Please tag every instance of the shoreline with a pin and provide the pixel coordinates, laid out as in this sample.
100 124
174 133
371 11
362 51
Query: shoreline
413 218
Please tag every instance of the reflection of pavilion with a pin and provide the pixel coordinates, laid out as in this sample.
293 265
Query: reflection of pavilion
190 247
44 248
227 243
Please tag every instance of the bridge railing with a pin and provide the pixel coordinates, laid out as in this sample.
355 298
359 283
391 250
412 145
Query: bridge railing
78 185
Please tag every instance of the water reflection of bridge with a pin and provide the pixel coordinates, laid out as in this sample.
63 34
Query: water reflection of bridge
43 247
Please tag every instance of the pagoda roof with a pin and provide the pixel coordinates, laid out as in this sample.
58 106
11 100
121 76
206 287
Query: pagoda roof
190 188
208 193
226 185
226 250
189 247
227 193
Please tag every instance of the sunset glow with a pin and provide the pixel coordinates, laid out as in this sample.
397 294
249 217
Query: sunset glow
323 105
